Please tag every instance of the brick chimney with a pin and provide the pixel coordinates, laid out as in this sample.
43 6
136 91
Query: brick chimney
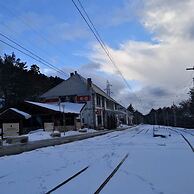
71 74
89 82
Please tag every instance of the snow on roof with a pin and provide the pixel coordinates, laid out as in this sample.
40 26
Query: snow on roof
26 115
66 107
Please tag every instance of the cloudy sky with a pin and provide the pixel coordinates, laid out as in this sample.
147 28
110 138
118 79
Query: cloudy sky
152 43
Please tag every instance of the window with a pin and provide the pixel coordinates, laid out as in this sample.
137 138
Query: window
98 100
109 105
103 102
99 119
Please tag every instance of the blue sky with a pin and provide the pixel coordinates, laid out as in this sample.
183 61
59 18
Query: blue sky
41 25
145 38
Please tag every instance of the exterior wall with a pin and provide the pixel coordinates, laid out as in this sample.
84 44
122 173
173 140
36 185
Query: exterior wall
110 113
99 111
87 116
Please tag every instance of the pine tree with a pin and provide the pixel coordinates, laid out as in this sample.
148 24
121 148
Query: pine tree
192 102
17 83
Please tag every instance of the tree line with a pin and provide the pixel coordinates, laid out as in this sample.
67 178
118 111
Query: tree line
18 82
181 115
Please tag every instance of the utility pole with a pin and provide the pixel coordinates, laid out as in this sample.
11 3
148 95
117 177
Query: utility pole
63 106
191 69
108 85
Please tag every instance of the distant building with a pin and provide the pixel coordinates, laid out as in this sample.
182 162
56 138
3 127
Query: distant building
101 111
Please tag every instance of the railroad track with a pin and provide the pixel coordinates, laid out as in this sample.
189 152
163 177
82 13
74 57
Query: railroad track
104 183
67 180
185 139
111 175
147 131
182 130
138 133
115 136
190 145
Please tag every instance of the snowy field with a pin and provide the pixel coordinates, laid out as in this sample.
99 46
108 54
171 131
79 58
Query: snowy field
155 165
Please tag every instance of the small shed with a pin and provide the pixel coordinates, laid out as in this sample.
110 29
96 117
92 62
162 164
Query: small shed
12 122
62 117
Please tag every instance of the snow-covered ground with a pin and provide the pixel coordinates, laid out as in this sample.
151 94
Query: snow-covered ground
41 134
154 165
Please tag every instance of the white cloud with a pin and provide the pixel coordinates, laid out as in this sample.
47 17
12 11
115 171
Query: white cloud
169 20
157 66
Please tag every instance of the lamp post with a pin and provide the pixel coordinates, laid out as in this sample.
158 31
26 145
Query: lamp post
63 106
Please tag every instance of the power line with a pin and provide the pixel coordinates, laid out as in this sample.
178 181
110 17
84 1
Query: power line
40 58
12 12
101 42
90 21
40 61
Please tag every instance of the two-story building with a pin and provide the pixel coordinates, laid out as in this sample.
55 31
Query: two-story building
100 111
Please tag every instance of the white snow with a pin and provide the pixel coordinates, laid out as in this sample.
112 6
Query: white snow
122 126
66 107
24 114
154 166
40 134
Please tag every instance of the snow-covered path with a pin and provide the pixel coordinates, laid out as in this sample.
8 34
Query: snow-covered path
154 165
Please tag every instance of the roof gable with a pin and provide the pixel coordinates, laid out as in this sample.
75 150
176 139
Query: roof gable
71 86
15 113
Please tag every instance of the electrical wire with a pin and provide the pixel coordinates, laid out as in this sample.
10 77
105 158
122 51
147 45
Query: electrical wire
94 31
35 55
13 13
36 59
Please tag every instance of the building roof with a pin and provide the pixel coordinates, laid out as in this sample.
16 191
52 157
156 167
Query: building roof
24 114
21 113
65 88
72 86
65 107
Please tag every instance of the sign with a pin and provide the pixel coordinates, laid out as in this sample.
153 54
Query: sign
51 100
49 126
83 98
10 129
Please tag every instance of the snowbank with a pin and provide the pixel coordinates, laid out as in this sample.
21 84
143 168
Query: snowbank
40 134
